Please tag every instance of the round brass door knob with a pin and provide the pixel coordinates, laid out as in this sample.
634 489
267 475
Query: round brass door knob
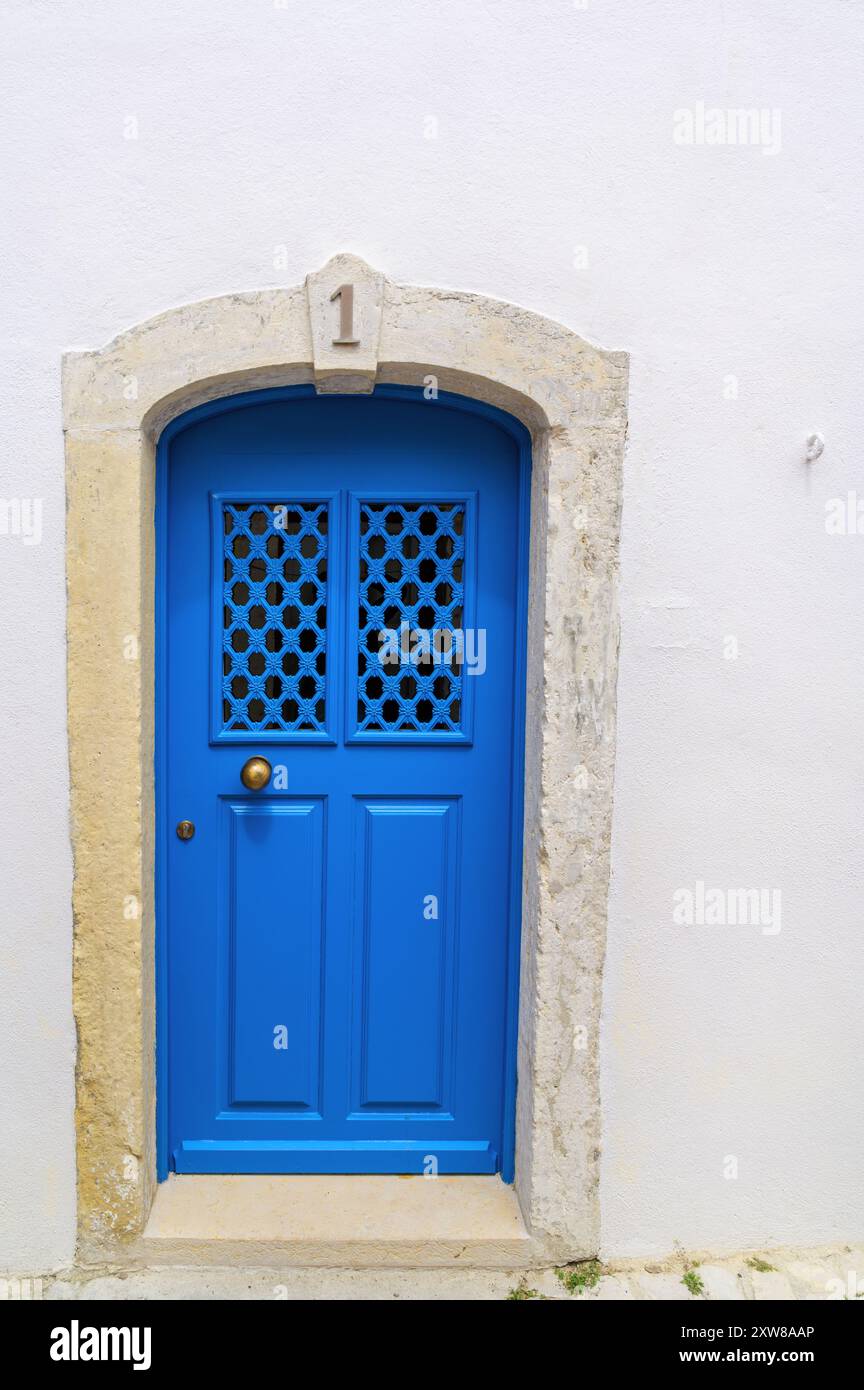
255 773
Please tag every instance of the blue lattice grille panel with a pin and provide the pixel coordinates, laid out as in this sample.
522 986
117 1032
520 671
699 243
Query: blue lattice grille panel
274 616
412 588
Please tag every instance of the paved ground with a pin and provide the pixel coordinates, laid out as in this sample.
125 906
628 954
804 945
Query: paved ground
805 1275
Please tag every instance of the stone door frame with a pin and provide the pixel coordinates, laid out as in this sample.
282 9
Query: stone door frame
572 398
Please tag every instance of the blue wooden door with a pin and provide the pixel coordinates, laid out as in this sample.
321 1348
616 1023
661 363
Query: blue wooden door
341 584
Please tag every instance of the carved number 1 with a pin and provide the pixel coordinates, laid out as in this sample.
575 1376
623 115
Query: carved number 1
345 295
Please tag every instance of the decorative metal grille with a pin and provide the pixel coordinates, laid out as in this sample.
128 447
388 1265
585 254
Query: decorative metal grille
275 616
412 557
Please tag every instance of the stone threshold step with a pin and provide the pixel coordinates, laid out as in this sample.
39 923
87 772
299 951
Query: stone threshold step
351 1221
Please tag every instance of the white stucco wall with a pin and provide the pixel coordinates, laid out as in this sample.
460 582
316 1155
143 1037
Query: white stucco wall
496 147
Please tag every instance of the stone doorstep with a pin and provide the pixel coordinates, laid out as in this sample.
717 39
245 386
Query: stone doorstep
348 1222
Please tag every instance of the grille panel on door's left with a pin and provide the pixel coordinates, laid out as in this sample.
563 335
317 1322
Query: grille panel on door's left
274 616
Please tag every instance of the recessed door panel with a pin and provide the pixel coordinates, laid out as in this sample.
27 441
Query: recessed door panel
407 863
275 860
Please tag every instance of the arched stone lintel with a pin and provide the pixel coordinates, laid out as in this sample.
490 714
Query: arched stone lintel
537 369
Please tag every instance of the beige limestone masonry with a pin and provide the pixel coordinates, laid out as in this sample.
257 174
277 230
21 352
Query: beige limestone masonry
572 398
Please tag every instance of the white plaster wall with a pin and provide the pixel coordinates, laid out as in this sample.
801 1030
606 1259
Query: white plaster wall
479 146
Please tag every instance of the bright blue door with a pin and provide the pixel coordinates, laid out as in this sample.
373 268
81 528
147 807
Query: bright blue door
342 590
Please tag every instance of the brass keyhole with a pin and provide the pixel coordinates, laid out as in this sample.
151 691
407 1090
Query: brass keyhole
255 773
185 830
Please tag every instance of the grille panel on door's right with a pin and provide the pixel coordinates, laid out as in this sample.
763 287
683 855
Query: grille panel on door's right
412 588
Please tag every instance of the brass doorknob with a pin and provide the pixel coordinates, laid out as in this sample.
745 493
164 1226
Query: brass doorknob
255 773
